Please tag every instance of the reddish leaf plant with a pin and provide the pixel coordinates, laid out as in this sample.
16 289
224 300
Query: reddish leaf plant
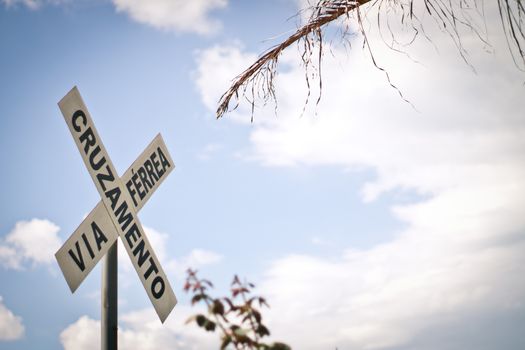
238 318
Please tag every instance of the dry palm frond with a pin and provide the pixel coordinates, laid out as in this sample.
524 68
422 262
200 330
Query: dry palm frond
263 70
512 14
453 17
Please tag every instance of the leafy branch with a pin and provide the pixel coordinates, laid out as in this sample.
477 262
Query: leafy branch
238 317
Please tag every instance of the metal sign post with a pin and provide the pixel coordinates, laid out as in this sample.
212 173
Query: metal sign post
109 309
115 215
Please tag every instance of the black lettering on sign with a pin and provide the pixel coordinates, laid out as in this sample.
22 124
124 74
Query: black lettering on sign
124 219
88 137
78 259
163 160
113 195
152 176
88 246
138 185
152 268
157 287
98 234
96 166
156 164
144 179
105 178
131 192
143 255
133 234
78 114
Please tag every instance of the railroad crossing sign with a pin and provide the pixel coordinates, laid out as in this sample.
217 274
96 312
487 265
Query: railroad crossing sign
116 214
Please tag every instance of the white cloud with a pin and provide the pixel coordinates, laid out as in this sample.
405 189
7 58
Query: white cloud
34 242
201 257
158 241
142 330
304 7
171 15
464 242
32 4
197 258
9 258
386 295
83 334
11 327
176 15
212 82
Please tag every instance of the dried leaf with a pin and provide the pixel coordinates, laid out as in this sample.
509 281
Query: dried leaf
280 346
198 297
207 282
191 319
209 326
217 307
225 342
236 280
262 330
201 320
257 315
262 302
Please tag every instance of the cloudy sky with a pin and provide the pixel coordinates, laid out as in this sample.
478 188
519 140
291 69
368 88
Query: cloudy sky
366 222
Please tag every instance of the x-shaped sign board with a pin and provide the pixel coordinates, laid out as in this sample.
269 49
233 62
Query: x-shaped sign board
116 214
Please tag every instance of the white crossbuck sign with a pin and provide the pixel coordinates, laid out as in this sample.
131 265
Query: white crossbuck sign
116 214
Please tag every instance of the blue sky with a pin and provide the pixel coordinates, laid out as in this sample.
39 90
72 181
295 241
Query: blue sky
366 223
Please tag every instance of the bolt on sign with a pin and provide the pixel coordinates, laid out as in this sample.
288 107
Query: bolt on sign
116 214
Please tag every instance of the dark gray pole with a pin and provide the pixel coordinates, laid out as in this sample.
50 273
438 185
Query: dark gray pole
109 299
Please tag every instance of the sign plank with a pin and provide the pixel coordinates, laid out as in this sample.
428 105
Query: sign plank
96 234
118 202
